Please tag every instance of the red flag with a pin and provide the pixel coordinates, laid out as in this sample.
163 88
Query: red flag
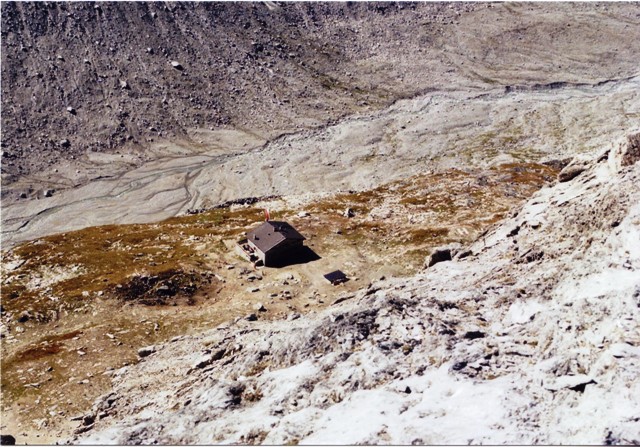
266 215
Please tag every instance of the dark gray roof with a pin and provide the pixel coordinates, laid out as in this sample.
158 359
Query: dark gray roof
336 277
271 233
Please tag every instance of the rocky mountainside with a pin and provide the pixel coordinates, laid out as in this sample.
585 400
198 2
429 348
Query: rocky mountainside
92 77
530 335
84 78
140 140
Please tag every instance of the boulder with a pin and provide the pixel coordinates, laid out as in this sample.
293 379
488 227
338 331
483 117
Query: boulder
146 351
7 440
88 419
631 154
260 307
441 254
472 335
572 170
576 382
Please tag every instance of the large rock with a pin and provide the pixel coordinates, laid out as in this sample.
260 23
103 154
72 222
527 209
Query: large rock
441 254
146 351
7 440
631 154
571 171
177 65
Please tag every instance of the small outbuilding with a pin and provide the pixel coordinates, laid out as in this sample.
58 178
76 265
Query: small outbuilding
274 243
336 277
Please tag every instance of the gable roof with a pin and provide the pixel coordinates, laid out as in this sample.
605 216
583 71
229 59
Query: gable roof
271 233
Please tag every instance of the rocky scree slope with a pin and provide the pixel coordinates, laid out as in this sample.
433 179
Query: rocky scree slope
530 335
88 76
81 78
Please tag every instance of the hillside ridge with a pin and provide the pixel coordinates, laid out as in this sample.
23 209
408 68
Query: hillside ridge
495 346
